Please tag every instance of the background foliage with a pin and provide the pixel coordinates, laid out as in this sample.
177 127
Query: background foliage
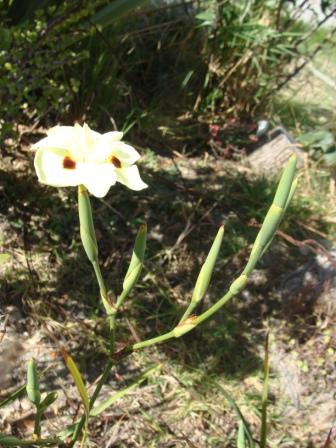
169 62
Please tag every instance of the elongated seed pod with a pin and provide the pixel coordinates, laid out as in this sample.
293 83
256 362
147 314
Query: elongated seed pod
204 277
87 231
33 385
206 271
136 263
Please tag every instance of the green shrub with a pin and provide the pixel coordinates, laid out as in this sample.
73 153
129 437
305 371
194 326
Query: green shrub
66 62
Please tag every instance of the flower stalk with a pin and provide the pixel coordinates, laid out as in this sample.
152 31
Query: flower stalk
205 274
283 196
78 156
89 241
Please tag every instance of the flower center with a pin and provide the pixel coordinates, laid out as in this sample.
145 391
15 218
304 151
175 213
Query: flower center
116 162
68 163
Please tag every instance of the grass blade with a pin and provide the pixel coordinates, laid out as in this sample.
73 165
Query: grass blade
115 11
242 422
70 363
48 401
13 396
14 441
264 398
113 398
328 442
241 435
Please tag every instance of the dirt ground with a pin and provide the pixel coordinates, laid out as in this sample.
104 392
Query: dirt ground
49 300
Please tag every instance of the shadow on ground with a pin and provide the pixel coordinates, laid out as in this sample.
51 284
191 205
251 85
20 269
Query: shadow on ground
183 214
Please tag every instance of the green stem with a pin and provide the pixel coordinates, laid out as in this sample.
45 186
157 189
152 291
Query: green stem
202 317
170 335
100 280
214 308
109 308
85 433
89 241
37 423
112 325
156 340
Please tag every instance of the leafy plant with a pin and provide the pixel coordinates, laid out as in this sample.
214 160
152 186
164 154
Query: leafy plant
249 48
320 140
42 46
187 323
66 62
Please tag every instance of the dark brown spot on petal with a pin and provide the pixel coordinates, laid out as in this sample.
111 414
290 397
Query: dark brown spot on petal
116 162
68 163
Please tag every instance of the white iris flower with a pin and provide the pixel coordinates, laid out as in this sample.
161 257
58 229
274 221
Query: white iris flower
77 155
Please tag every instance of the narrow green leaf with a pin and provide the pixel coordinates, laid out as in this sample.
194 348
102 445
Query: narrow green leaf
136 263
264 398
70 363
9 440
13 396
18 392
206 18
33 385
14 441
242 422
241 435
113 398
49 400
329 440
115 11
187 78
68 431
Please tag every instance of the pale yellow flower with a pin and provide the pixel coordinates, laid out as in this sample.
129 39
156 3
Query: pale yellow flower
77 155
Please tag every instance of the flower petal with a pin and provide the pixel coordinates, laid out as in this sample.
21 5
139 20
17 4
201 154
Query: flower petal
98 178
105 149
50 168
113 136
125 153
87 140
64 137
130 177
78 140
